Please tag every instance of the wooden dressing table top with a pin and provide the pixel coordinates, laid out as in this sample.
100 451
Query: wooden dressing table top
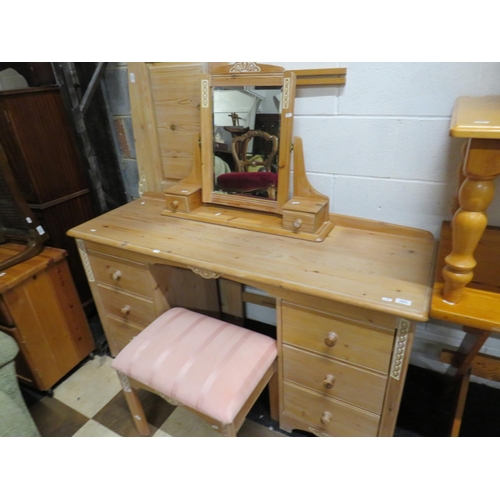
362 263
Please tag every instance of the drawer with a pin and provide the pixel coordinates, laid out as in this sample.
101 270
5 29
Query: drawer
121 273
128 307
119 333
336 337
332 416
334 379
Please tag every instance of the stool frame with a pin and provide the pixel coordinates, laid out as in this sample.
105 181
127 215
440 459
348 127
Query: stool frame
270 378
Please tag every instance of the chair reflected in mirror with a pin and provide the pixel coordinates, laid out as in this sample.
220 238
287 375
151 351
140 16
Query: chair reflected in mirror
256 173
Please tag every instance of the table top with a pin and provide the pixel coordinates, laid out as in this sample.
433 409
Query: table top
476 117
364 263
480 303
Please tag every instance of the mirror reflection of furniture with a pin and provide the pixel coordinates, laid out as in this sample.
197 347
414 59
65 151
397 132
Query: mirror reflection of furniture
17 222
254 172
235 131
247 90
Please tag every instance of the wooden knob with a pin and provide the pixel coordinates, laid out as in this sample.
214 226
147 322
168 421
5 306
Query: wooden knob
116 275
125 309
328 382
331 339
174 204
326 418
297 223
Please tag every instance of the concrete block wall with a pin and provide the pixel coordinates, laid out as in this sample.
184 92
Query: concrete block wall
379 147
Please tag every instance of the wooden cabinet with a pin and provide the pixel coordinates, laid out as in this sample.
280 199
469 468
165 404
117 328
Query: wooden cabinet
40 308
37 138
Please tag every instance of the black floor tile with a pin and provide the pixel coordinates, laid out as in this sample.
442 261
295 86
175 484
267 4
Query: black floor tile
55 419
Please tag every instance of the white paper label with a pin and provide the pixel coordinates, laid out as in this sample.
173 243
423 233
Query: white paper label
132 77
40 230
28 219
387 299
403 301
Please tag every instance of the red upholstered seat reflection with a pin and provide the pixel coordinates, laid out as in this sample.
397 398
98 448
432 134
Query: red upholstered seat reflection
247 181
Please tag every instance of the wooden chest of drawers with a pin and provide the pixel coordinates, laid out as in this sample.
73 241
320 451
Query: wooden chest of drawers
335 370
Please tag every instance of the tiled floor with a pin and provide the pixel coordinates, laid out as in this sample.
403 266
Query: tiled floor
90 403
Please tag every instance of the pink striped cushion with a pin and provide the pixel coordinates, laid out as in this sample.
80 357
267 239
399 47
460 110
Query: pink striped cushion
204 363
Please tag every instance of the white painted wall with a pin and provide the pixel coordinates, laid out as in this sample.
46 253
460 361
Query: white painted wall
379 147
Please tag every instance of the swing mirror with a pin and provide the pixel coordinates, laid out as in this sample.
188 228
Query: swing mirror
246 121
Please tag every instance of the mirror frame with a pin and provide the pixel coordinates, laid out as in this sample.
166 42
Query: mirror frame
238 75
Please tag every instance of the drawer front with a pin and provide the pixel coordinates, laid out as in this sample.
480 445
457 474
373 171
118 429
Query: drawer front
119 333
128 307
306 222
122 274
334 379
334 417
176 203
353 342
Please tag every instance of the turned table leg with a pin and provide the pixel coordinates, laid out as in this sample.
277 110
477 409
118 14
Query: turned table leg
481 167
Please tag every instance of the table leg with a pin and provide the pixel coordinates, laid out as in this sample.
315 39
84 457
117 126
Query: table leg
460 370
481 167
460 405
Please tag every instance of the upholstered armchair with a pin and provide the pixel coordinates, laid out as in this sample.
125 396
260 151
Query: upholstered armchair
15 419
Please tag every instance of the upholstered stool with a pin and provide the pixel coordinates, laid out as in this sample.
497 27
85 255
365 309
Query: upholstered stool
215 369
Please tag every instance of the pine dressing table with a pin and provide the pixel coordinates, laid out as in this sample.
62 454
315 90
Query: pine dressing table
346 307
348 291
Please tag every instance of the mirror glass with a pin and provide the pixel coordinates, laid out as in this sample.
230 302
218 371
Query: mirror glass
246 136
246 140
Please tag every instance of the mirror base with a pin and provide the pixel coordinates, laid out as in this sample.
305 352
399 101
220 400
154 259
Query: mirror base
253 221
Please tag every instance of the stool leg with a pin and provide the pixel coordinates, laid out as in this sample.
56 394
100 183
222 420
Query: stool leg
135 406
229 430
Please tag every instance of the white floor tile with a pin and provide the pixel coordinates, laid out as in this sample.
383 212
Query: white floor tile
95 429
90 388
161 434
